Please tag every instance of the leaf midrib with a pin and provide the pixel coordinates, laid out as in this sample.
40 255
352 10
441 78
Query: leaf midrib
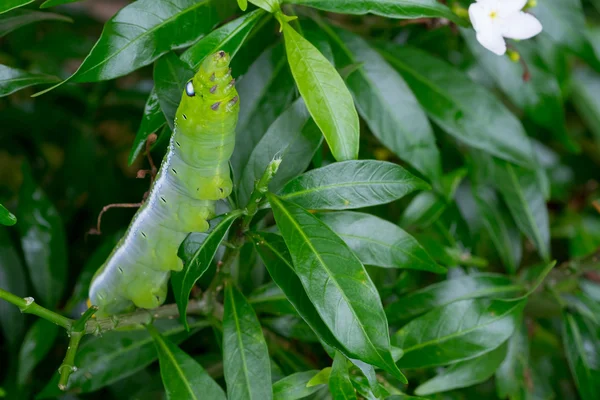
457 334
238 335
310 245
343 184
135 39
178 369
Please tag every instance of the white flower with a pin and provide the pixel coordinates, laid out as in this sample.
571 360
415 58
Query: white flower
495 20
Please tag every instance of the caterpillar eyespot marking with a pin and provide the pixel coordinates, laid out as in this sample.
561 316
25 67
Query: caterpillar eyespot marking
136 274
189 89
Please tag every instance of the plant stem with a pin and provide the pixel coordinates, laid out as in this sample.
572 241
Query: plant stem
260 189
28 305
144 317
68 364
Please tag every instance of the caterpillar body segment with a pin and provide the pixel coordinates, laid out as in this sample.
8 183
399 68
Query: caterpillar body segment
192 177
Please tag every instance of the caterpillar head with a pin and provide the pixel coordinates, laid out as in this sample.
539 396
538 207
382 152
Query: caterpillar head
210 95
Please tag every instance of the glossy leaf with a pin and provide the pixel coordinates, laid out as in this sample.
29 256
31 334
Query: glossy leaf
465 373
270 299
295 386
500 227
18 18
245 353
386 103
276 257
170 76
228 38
539 96
511 375
196 263
182 376
291 327
152 120
458 331
266 90
525 200
581 343
104 360
268 5
462 108
12 279
143 31
378 242
13 79
8 5
37 343
448 291
586 97
332 275
295 149
44 242
326 96
340 385
401 9
351 184
6 217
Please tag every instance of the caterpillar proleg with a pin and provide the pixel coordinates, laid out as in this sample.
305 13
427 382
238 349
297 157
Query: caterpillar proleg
193 176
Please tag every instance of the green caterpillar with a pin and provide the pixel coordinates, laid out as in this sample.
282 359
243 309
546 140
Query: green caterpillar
192 177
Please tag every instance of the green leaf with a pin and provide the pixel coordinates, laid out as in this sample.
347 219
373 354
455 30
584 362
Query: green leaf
170 76
511 375
564 21
270 299
325 93
296 149
446 292
464 374
500 227
400 9
243 4
387 104
337 284
378 242
37 343
245 354
291 327
152 120
266 90
581 341
275 255
321 378
458 331
228 38
182 376
523 196
13 79
540 96
44 241
351 184
143 31
12 279
462 108
104 360
195 263
294 386
18 18
339 381
53 3
6 217
8 5
586 97
271 6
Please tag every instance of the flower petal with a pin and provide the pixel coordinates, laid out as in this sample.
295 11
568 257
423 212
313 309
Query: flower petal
507 7
493 41
478 14
520 26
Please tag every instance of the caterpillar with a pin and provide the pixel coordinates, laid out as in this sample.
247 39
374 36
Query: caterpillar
193 175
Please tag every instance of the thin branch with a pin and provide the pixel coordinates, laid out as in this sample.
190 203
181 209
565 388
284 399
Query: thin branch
28 305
